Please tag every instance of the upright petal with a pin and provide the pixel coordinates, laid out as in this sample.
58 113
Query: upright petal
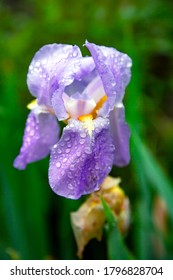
114 70
41 133
76 75
95 89
120 134
78 105
81 160
87 65
46 70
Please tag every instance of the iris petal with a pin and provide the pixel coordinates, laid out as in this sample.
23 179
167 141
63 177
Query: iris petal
41 133
120 134
46 70
114 70
77 106
81 160
75 76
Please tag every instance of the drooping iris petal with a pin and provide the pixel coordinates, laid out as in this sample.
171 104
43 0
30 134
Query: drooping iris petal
120 134
49 67
114 70
41 133
81 159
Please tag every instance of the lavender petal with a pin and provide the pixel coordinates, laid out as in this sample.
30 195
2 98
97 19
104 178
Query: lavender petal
114 70
81 160
41 133
120 134
46 70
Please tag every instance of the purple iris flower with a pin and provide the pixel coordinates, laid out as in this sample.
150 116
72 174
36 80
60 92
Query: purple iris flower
86 93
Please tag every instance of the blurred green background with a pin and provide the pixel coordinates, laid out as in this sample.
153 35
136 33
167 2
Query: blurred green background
34 222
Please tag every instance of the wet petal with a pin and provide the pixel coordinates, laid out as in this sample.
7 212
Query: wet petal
46 70
75 78
81 159
114 70
120 134
87 65
95 89
41 133
78 105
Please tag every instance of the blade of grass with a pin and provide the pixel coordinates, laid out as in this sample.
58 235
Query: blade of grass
116 247
159 181
15 230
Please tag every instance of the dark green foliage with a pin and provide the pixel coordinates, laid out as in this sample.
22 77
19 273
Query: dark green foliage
35 223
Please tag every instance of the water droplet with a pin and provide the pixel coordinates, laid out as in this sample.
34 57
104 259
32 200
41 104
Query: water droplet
72 167
97 130
88 151
58 151
81 141
66 137
70 175
58 164
75 53
112 147
64 160
28 139
113 83
78 153
70 187
62 144
97 167
27 128
37 64
69 144
83 135
70 195
31 133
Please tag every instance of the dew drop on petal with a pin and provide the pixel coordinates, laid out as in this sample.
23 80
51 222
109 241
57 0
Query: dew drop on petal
70 175
66 137
37 64
58 164
88 151
70 186
78 153
59 151
72 167
69 145
31 133
81 141
97 167
83 135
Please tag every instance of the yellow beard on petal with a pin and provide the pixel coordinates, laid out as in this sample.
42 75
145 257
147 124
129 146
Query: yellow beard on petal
87 121
32 105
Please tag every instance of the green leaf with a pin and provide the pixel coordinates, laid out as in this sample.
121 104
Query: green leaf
117 249
159 181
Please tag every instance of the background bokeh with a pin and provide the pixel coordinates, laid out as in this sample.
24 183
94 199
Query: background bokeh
34 222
